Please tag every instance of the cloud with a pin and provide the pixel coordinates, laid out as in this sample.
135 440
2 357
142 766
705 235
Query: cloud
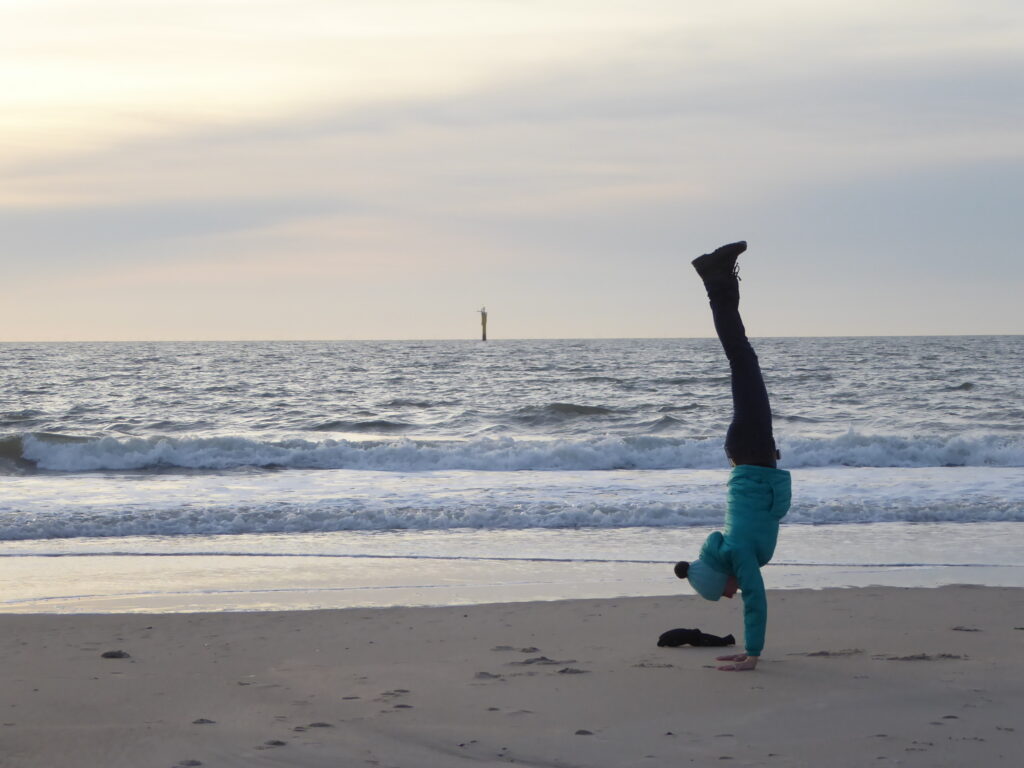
56 237
846 142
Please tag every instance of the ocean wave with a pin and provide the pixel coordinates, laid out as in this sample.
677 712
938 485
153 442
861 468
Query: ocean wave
664 424
356 515
374 426
56 453
20 419
554 413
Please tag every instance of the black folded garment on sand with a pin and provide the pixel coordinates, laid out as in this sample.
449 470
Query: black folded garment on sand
677 637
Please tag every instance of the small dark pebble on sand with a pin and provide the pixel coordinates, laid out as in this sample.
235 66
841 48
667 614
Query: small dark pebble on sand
572 671
115 655
275 743
320 725
584 732
203 721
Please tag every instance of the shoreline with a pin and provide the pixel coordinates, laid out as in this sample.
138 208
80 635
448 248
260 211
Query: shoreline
128 584
402 568
878 675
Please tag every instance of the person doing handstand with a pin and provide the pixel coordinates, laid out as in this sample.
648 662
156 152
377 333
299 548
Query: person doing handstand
758 492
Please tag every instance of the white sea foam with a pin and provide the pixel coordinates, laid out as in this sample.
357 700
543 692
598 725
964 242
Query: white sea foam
850 448
316 501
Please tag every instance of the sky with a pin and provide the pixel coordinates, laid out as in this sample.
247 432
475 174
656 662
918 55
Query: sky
381 169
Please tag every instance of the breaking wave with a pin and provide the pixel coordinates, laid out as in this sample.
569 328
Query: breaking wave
57 453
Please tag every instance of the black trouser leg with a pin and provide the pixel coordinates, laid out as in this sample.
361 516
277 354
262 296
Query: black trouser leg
749 439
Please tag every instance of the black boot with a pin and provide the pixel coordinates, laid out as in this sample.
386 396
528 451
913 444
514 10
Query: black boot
720 263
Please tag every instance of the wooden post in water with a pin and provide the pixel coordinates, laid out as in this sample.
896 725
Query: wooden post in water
483 322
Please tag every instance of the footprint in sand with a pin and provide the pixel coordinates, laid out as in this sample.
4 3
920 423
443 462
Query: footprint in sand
843 652
543 660
271 744
921 657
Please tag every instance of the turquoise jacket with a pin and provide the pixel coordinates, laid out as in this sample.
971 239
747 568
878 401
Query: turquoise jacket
758 498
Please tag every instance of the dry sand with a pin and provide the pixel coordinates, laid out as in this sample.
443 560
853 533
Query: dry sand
873 676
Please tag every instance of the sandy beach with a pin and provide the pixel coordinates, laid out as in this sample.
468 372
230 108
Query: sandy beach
850 677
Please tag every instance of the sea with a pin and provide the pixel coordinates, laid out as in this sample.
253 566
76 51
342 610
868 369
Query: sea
191 476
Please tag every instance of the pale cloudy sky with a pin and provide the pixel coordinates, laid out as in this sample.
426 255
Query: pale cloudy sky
331 169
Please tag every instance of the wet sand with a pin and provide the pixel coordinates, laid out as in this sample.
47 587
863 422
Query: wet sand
850 677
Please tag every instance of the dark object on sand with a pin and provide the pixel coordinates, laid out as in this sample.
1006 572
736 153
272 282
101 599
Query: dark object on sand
677 637
115 655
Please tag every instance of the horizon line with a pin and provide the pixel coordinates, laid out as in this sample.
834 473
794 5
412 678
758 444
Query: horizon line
477 340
